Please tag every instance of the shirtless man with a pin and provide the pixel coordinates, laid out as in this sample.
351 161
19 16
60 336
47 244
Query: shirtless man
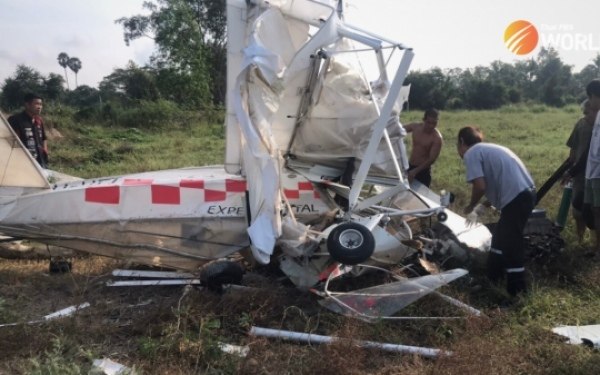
426 146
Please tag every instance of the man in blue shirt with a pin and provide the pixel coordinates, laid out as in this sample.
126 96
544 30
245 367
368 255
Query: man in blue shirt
499 174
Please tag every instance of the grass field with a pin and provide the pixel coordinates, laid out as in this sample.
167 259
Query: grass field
171 330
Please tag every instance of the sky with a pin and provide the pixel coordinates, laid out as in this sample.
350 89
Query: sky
34 32
446 34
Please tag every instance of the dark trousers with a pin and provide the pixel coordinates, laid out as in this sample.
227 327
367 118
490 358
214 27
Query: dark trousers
507 253
423 177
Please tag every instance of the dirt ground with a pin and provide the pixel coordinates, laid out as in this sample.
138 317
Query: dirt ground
177 329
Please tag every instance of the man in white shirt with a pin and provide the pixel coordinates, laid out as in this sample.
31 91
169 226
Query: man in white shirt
592 169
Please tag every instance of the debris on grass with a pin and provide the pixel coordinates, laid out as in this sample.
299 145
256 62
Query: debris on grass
58 314
240 351
106 366
586 335
321 339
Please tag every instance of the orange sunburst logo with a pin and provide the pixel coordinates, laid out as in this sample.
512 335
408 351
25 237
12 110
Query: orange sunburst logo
521 37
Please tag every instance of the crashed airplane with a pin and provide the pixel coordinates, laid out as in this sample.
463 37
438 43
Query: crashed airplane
315 168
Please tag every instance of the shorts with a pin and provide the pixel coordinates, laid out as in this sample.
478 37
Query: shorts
592 192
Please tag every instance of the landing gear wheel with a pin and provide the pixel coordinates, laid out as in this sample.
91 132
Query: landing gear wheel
60 266
442 216
350 243
217 274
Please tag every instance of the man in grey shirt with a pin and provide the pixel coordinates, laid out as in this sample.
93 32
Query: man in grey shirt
499 174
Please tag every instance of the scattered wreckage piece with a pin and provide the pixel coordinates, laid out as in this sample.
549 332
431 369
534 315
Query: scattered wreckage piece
383 301
152 274
106 366
167 278
238 350
311 338
67 311
160 282
586 335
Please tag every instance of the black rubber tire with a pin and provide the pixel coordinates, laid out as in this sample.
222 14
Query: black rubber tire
217 274
442 216
60 266
350 243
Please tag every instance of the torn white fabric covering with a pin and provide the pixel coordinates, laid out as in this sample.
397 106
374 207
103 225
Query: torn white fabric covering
589 335
256 98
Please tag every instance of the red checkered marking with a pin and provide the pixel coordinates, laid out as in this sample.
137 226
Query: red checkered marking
192 184
303 187
137 181
103 194
164 194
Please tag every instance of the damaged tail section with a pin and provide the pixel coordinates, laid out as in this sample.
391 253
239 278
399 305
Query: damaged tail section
18 169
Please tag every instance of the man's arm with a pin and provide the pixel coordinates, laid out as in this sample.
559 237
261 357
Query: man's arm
410 127
477 192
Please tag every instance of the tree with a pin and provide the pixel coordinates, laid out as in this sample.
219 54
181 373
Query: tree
24 80
553 81
83 96
588 73
431 88
53 87
75 65
63 60
190 35
133 82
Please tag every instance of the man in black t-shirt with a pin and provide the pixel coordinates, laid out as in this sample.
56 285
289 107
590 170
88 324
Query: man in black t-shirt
29 127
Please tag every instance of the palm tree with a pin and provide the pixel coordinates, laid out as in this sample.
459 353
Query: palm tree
75 65
63 60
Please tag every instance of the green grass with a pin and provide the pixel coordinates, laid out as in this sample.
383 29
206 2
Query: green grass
177 333
94 151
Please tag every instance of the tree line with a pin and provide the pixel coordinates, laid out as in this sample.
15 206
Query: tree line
543 79
188 71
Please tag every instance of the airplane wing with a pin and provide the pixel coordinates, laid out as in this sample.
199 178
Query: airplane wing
17 166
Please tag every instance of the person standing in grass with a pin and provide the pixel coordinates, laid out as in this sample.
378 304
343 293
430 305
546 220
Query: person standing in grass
592 170
426 146
29 127
579 143
499 174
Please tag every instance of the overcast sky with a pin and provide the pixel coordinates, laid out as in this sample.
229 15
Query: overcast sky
447 34
34 32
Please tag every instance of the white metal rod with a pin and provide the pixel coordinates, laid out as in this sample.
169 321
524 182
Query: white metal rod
320 339
153 282
379 127
154 274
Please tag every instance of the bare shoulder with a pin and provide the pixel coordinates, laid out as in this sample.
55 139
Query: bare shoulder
412 126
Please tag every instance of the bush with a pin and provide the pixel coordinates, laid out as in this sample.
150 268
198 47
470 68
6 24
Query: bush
147 114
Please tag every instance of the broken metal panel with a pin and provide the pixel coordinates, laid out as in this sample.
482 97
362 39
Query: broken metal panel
387 299
588 335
